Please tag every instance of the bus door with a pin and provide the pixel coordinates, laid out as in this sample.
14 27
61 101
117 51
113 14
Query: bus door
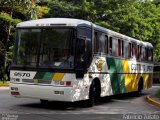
83 51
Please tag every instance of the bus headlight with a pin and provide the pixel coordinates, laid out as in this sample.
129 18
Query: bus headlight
15 80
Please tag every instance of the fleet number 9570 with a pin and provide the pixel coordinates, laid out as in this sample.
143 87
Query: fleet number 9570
21 74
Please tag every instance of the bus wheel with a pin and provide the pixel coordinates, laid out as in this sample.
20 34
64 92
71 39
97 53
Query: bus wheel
94 94
43 102
140 87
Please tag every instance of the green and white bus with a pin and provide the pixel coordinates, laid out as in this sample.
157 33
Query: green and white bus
62 59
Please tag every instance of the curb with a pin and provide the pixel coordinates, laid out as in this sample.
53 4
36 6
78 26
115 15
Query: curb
152 101
4 85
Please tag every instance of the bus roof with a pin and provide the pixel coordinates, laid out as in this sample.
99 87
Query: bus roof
53 22
73 23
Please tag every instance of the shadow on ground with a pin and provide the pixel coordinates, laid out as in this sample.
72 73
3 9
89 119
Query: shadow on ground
54 105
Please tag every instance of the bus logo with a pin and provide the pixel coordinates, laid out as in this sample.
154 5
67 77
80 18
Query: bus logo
99 64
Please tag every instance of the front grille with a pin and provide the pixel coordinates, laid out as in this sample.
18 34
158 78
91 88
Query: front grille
44 81
36 81
28 80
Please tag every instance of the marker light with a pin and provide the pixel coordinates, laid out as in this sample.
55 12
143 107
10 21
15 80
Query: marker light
63 83
68 83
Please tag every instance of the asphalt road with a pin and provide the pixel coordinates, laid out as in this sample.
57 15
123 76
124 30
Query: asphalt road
110 108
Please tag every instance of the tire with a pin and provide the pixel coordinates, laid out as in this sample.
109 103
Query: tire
139 93
94 95
44 102
140 88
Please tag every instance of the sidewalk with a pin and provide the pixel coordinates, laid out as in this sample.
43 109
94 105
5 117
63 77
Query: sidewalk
4 87
152 99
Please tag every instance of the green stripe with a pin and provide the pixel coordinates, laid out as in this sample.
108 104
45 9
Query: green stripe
117 80
44 75
120 76
48 76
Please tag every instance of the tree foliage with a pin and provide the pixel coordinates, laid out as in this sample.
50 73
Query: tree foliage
136 18
139 19
11 13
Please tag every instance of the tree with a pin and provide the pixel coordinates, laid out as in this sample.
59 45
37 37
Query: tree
11 13
136 18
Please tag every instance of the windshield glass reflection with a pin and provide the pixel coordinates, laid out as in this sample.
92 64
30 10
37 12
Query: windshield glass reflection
45 48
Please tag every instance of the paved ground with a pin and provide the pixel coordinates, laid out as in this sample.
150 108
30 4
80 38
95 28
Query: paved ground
109 108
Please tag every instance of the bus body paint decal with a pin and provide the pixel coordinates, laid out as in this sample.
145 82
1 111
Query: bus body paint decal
123 79
49 76
127 77
44 75
117 80
58 76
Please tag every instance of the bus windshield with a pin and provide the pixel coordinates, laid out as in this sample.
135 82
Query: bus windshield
44 47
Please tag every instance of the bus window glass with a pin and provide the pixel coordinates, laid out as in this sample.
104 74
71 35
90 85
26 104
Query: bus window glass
110 45
132 55
134 50
84 33
83 46
146 53
143 54
56 48
137 52
106 44
45 47
150 56
140 53
122 48
99 42
126 50
27 49
114 47
129 50
101 47
119 47
96 43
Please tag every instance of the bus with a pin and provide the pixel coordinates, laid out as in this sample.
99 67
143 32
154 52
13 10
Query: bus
64 59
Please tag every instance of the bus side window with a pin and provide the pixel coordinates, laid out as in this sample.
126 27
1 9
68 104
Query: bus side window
101 37
122 48
137 52
126 50
143 53
96 45
119 47
140 53
132 54
134 50
150 54
114 46
129 50
99 42
110 45
106 44
146 54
